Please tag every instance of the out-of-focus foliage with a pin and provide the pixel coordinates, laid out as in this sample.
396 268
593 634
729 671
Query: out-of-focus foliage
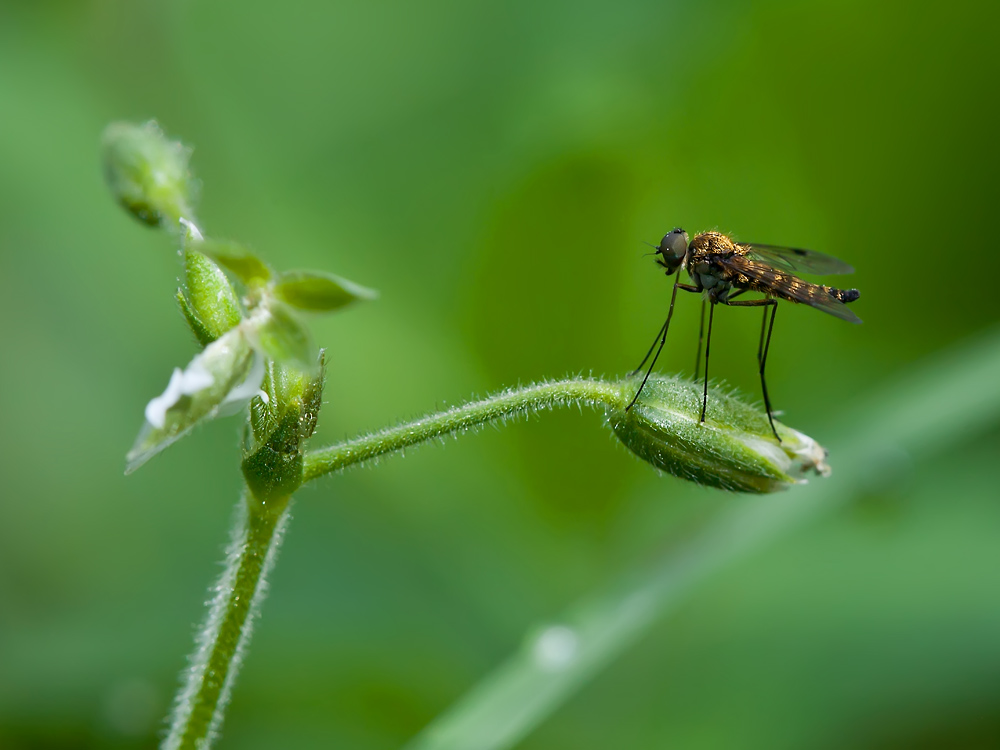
493 171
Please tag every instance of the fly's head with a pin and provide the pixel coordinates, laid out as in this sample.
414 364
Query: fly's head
673 249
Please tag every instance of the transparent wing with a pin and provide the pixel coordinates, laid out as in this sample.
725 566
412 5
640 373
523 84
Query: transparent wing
795 259
773 281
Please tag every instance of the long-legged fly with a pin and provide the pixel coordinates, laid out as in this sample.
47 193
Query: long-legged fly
722 269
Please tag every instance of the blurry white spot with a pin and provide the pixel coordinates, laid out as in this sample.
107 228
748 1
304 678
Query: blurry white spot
193 232
132 707
556 647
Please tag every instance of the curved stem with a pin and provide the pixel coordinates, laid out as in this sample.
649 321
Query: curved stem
201 702
512 403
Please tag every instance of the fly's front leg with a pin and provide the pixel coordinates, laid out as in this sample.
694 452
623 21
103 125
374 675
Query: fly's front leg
701 331
708 349
662 338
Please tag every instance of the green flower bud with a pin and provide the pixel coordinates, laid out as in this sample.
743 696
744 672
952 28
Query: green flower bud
147 173
733 449
208 301
273 461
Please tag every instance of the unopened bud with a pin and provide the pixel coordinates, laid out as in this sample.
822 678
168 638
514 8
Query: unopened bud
147 173
208 301
734 449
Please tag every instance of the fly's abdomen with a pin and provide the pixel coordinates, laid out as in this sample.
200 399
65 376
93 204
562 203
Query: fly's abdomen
844 295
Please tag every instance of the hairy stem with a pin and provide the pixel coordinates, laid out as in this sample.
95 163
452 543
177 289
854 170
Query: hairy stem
221 642
509 404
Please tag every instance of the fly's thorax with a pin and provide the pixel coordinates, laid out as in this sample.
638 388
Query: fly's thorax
709 275
713 243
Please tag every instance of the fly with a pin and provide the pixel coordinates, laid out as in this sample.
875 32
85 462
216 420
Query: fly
723 269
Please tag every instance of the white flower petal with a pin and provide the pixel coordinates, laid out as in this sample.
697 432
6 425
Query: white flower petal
156 409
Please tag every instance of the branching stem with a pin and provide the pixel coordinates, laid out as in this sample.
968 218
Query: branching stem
498 408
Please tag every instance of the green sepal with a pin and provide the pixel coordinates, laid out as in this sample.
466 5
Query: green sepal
201 333
733 449
209 296
274 470
263 412
236 259
283 385
312 399
315 291
280 336
148 173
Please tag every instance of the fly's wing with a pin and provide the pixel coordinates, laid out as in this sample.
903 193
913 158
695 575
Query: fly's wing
795 260
780 284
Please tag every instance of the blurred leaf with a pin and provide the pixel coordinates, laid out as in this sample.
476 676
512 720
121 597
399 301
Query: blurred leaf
236 259
316 291
281 336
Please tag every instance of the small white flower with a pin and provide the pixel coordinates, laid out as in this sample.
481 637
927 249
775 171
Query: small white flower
182 383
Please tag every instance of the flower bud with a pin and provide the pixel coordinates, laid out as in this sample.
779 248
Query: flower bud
208 301
733 449
147 173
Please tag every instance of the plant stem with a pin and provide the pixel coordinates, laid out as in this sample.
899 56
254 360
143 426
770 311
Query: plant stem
200 705
509 404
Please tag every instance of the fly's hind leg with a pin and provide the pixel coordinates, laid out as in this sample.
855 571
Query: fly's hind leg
762 347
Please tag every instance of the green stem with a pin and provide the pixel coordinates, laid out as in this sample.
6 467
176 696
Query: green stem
497 408
201 703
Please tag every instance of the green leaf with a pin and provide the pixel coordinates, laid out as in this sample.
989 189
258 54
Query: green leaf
315 291
236 259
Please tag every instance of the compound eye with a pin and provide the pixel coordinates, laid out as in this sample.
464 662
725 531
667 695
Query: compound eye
673 247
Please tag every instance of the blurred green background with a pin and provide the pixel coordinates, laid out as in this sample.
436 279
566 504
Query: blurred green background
494 170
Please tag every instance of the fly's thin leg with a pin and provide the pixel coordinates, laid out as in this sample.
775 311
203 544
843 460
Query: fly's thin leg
656 338
765 343
763 363
760 345
701 331
708 346
662 338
